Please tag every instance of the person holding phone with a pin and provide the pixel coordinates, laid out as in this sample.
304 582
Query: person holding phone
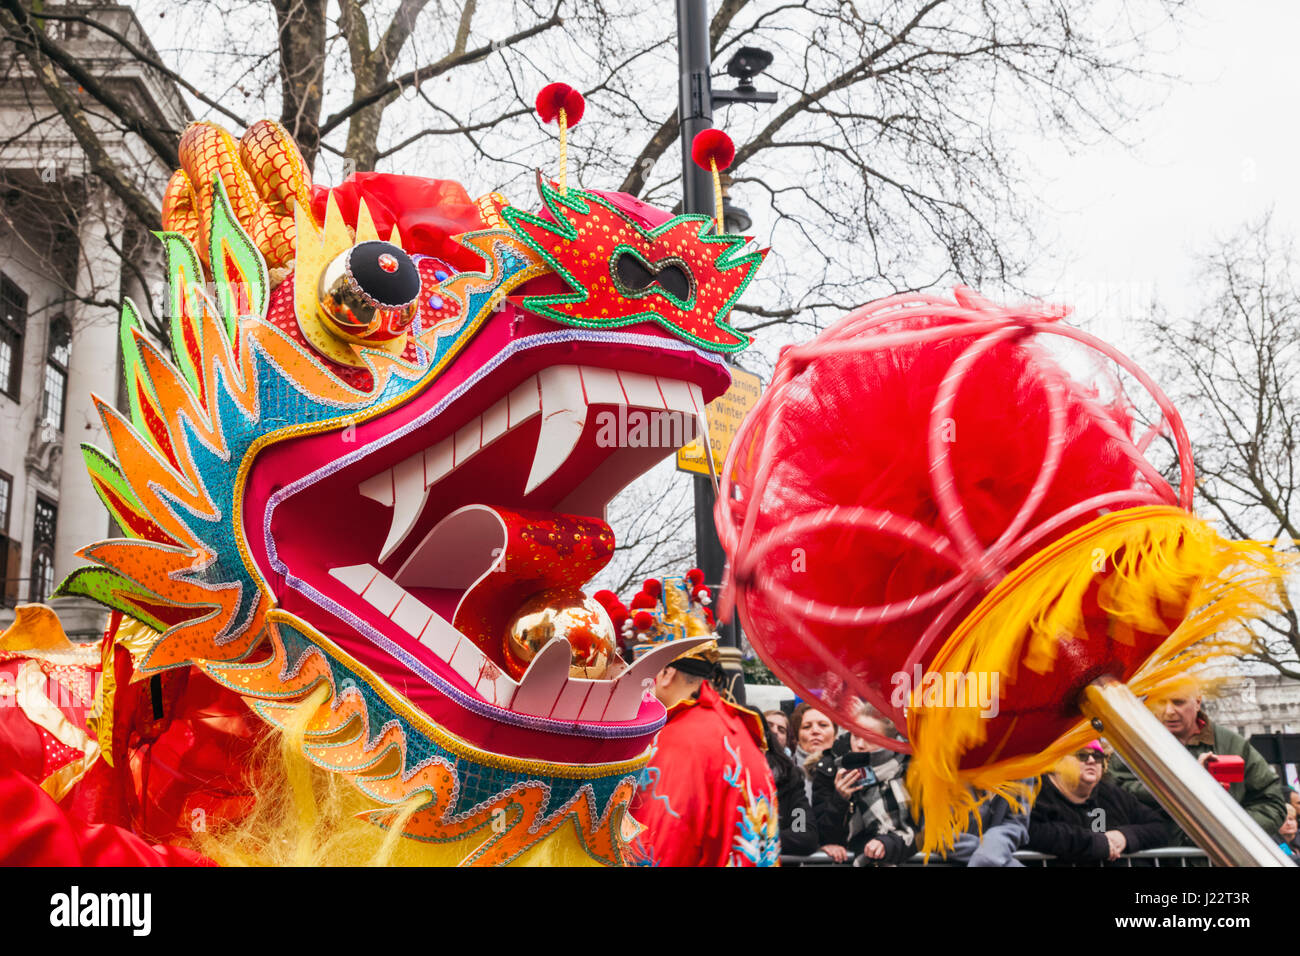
861 800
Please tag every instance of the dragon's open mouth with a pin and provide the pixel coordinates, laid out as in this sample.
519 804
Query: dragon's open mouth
555 424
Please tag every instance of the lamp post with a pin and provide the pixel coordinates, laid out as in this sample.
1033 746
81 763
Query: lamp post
695 110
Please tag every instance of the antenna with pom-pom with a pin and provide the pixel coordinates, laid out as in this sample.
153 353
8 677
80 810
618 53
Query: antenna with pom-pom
712 149
561 103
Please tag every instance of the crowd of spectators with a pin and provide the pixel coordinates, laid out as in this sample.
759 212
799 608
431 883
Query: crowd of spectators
847 797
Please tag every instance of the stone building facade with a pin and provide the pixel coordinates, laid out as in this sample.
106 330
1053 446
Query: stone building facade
68 255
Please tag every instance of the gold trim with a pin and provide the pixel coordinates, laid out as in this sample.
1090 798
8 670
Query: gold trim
444 738
42 712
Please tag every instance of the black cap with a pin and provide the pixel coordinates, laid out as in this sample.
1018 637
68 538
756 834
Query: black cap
694 666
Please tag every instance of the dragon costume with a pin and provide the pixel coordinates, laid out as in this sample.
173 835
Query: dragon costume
369 455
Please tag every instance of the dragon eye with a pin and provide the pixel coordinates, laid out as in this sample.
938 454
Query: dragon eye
370 290
636 276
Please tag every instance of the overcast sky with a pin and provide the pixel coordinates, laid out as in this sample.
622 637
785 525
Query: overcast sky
1222 148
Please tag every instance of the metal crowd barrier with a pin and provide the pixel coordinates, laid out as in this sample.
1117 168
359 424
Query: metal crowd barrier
1175 856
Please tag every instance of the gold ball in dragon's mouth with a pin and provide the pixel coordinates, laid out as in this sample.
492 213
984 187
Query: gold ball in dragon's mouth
562 614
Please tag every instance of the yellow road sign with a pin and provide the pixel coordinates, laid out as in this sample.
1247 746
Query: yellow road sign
725 413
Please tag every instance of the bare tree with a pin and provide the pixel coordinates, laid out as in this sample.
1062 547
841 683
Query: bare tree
886 164
654 521
889 162
1234 367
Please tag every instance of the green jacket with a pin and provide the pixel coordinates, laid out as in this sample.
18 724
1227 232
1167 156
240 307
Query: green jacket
1259 793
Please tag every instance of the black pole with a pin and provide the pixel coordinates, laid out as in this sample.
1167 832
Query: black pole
696 111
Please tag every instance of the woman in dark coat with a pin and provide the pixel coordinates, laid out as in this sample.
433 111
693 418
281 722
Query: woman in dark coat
1081 818
798 828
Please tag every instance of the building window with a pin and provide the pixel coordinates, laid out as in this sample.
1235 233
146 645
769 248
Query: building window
13 323
54 399
6 495
9 592
47 516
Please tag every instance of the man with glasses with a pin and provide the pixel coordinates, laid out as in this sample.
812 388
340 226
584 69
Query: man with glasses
1259 791
1080 818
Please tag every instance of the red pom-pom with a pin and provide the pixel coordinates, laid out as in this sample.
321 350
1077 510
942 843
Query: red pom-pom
642 600
643 620
615 608
694 577
708 618
712 145
652 588
701 594
557 96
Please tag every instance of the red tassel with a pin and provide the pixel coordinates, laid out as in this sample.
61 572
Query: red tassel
694 577
652 588
712 146
557 96
643 620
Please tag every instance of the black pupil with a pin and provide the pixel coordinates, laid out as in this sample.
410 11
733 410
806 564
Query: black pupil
385 273
636 275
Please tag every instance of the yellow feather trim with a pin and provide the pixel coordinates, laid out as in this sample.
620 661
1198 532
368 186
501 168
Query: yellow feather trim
1151 561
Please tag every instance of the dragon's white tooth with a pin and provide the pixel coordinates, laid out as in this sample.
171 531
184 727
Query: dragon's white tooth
467 661
569 704
642 390
701 414
496 421
441 638
410 494
625 698
677 395
601 386
564 415
696 396
524 401
411 615
469 439
355 576
380 487
439 461
495 686
383 593
593 708
542 683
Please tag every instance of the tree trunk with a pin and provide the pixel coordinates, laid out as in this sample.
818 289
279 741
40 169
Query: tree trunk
302 71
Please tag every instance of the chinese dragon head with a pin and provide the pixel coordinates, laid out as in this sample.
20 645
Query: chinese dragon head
374 441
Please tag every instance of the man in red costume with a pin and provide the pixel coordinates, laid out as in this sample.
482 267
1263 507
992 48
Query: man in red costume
707 796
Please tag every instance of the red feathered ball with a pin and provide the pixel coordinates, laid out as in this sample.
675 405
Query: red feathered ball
557 96
712 145
855 431
643 620
694 577
652 588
